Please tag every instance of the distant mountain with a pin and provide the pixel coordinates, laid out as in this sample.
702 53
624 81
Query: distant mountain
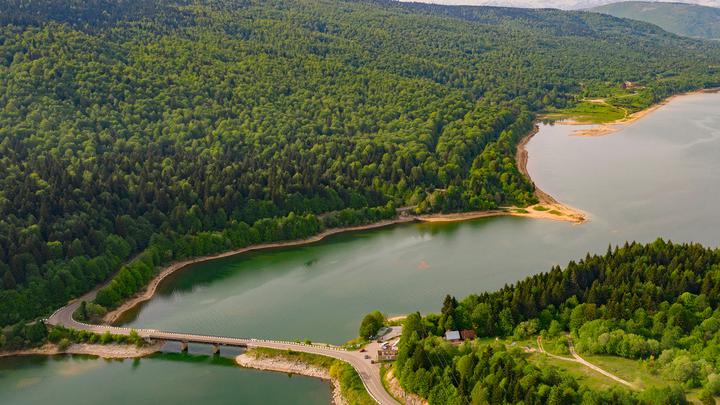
561 4
680 18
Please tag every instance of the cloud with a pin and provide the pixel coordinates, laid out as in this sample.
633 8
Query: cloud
562 4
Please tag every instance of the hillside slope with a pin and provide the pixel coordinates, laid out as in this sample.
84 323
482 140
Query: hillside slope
178 128
690 20
654 308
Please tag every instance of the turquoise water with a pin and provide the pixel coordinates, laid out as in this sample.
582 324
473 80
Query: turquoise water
655 178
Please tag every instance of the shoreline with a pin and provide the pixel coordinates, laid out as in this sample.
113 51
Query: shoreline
547 208
282 365
553 210
112 316
109 351
545 200
608 128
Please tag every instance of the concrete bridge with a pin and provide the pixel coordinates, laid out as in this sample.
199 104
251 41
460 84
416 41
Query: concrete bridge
369 373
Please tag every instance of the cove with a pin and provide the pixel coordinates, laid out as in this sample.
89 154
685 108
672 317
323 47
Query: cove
657 177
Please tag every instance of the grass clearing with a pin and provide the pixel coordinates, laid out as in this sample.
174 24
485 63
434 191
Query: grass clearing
540 208
555 212
582 374
629 370
590 112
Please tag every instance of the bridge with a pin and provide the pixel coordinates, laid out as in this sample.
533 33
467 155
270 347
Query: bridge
369 373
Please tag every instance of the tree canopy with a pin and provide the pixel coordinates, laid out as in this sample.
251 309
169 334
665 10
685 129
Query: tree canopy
171 128
658 302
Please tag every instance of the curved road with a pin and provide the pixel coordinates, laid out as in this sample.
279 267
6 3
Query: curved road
369 373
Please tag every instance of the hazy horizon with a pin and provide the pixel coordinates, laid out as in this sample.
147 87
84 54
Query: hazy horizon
561 4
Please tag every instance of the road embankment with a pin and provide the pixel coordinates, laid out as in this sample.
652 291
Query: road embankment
149 291
283 365
109 351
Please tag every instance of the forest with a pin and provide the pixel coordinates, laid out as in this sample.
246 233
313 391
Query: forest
137 132
658 302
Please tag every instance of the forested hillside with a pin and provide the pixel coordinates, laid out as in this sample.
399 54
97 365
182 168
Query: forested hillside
658 302
185 128
691 20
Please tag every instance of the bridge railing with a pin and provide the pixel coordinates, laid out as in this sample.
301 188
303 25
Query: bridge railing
178 336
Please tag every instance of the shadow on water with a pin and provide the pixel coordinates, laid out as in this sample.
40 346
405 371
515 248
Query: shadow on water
194 358
261 267
199 354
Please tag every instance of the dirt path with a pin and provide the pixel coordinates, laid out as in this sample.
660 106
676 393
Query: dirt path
555 356
596 368
577 359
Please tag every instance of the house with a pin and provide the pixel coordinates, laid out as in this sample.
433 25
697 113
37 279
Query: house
387 354
467 334
387 333
453 336
388 351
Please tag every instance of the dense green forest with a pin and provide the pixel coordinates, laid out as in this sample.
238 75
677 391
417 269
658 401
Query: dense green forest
692 20
164 129
658 302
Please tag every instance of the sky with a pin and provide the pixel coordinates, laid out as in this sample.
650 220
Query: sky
563 4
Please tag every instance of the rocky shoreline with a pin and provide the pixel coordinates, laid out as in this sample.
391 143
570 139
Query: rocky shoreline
279 364
109 351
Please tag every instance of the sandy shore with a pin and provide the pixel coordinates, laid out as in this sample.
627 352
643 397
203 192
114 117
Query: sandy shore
614 126
397 318
280 364
110 351
548 207
555 211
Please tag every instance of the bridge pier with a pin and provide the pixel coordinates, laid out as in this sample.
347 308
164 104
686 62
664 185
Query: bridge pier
183 347
216 350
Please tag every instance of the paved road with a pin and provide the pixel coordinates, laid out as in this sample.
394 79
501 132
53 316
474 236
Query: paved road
369 373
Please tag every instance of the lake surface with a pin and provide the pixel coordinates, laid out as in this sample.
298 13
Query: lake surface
658 177
161 379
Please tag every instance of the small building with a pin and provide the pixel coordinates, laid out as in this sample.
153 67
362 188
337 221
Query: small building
467 334
388 351
387 333
453 336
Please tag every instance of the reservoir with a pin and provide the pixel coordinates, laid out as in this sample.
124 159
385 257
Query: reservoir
657 177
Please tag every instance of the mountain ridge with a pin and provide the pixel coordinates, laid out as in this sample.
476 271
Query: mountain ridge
684 19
